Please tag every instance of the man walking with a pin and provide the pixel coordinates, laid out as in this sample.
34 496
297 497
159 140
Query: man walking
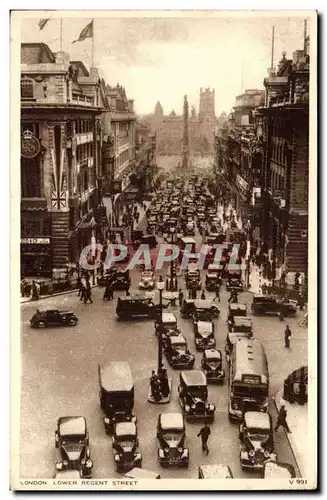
287 336
281 419
180 297
88 293
204 434
217 293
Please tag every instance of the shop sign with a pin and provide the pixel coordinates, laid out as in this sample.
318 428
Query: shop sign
35 241
30 145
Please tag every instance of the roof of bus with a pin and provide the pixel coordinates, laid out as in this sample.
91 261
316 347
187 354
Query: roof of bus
250 357
116 376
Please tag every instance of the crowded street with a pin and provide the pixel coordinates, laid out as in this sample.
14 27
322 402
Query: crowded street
65 379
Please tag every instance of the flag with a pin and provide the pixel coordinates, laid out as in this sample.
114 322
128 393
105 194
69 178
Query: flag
86 32
43 22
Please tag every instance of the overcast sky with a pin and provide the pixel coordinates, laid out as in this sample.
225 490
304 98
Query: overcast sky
163 59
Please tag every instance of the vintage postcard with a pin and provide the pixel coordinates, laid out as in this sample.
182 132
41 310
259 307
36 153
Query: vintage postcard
164 311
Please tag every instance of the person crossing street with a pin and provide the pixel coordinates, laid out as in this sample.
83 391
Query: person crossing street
287 336
204 435
281 419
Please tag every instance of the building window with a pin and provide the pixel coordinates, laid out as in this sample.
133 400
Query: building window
26 88
30 177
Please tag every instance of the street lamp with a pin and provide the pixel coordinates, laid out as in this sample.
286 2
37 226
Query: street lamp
160 287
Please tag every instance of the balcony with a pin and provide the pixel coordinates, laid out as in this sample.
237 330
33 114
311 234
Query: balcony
82 100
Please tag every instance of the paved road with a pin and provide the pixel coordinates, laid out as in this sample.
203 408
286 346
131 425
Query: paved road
59 377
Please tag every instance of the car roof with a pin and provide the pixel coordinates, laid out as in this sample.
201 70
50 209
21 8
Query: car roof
138 473
219 471
264 297
177 339
116 376
235 307
134 296
242 320
125 428
257 420
171 421
212 353
69 426
203 304
194 377
147 273
204 326
278 470
169 318
188 240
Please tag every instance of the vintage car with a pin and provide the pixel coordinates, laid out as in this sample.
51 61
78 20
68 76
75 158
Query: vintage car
199 310
177 353
167 326
138 473
190 227
235 310
256 438
149 239
72 439
234 280
241 324
53 317
269 305
204 335
193 396
211 365
125 446
147 280
135 306
278 470
219 471
116 393
213 279
119 278
171 438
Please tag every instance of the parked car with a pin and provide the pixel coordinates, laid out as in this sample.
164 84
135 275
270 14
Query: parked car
167 325
125 446
72 440
205 310
171 437
211 365
204 335
177 353
147 280
136 306
116 393
138 473
219 471
269 305
236 310
193 396
53 317
256 438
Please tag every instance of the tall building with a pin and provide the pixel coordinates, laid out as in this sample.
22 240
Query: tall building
61 104
169 128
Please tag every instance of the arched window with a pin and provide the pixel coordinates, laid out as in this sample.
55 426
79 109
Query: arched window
26 88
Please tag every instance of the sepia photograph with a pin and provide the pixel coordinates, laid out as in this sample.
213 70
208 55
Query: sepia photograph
163 254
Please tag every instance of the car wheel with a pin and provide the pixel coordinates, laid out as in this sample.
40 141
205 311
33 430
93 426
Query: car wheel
41 324
72 322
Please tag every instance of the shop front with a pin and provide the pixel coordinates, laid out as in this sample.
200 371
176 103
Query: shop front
35 257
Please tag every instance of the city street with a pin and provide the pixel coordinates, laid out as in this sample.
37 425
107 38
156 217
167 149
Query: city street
60 378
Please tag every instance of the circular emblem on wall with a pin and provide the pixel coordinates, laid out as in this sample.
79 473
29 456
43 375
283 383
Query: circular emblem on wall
30 145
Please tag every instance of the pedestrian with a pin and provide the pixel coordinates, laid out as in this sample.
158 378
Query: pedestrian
297 281
193 293
173 301
204 434
111 291
88 293
301 301
203 295
283 279
217 293
107 291
281 419
287 336
180 297
164 383
79 286
190 294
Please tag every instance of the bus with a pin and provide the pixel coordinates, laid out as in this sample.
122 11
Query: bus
248 379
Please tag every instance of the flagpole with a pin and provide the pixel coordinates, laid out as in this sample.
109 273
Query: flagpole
93 30
61 34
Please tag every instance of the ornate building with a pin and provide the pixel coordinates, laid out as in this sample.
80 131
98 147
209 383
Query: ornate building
61 105
169 128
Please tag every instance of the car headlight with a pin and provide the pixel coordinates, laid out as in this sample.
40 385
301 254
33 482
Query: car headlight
106 420
58 465
166 450
193 406
161 453
187 408
266 454
89 464
180 449
65 463
83 462
116 457
251 453
138 456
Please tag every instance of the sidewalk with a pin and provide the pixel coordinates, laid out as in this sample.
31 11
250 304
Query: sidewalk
72 290
297 419
141 211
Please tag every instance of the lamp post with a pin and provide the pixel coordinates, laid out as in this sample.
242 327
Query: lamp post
160 287
172 264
